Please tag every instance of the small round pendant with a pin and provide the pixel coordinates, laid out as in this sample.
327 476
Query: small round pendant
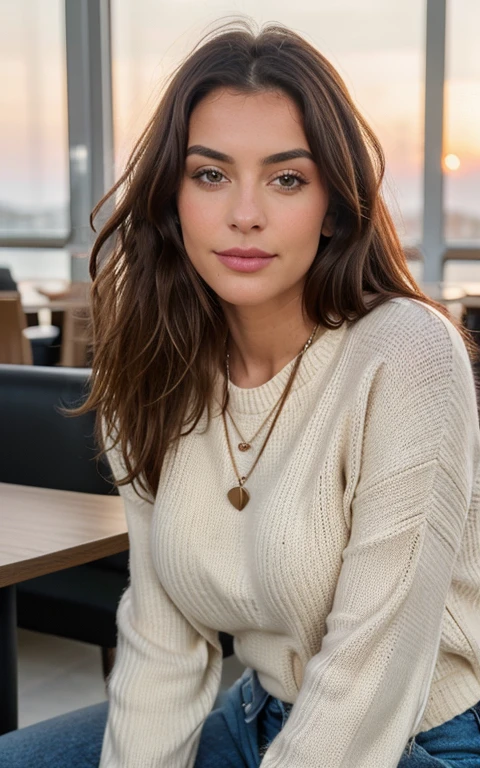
244 446
238 497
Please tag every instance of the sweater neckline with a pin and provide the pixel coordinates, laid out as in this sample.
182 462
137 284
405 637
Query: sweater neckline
257 400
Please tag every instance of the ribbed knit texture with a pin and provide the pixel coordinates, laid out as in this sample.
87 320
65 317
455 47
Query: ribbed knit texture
351 581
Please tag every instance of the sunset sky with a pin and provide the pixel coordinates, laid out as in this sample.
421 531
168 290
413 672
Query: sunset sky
377 45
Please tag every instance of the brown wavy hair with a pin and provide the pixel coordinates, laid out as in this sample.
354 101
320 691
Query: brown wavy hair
159 331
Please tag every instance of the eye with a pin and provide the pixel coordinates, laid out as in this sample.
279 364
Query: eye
213 175
290 181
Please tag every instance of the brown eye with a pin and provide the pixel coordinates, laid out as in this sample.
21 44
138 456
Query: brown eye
290 180
209 177
214 176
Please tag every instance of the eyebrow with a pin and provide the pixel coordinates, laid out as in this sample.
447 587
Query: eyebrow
279 157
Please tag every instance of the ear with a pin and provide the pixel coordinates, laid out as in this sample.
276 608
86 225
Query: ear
328 225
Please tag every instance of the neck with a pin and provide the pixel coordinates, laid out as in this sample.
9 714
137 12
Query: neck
261 343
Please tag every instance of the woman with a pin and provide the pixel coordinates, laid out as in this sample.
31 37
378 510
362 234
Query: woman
293 426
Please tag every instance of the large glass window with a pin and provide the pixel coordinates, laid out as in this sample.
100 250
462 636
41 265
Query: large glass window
462 122
36 263
378 48
33 129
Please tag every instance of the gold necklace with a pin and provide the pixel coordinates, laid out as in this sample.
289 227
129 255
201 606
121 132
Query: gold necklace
245 445
239 496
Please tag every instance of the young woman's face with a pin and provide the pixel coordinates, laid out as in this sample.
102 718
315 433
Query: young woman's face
243 190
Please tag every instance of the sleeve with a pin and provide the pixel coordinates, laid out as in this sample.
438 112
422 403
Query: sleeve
166 673
364 694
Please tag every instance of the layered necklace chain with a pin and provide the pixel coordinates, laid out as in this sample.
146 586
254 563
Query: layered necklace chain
245 445
239 495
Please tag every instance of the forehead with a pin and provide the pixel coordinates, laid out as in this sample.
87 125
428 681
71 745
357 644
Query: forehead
230 120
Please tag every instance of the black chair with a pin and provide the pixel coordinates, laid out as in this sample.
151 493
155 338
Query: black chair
7 283
42 447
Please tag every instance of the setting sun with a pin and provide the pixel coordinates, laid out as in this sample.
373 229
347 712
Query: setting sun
452 162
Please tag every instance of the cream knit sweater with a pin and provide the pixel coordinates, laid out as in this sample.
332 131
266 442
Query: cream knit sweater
351 581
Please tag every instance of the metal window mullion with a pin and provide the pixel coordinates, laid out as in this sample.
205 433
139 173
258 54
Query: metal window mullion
433 242
101 98
87 27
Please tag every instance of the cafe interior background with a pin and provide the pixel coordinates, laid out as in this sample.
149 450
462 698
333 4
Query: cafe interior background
80 80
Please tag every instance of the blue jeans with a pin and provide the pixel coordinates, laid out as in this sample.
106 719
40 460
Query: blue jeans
235 735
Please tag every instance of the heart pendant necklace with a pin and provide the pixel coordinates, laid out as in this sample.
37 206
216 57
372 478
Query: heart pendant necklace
239 496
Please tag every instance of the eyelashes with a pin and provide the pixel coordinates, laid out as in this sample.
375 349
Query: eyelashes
284 175
198 177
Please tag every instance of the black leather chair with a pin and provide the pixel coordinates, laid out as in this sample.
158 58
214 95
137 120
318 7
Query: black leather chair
42 447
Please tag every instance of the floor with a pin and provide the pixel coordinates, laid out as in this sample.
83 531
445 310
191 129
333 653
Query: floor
57 676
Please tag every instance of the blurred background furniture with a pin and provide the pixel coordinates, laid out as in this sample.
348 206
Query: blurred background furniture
7 283
55 317
42 447
23 342
14 345
45 531
65 304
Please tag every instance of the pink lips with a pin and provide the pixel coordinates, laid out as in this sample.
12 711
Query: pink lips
245 259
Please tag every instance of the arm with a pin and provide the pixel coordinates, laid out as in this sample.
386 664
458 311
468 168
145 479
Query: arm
364 694
166 675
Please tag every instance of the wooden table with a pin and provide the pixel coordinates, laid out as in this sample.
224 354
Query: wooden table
42 531
59 298
64 305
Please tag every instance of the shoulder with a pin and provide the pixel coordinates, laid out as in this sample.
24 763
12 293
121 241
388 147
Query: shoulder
409 332
409 351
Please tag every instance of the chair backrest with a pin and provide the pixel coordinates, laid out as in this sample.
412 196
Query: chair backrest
38 444
7 283
14 346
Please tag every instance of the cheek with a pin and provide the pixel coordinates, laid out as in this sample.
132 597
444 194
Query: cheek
302 225
199 217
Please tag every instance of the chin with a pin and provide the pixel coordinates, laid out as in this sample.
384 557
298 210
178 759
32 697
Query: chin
246 301
250 298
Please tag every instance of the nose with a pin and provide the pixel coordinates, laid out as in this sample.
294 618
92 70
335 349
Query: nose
246 211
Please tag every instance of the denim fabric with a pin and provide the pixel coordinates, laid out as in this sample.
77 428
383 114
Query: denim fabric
239 732
454 743
235 735
73 740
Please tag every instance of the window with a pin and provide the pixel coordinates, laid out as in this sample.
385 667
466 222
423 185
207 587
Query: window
462 122
33 130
